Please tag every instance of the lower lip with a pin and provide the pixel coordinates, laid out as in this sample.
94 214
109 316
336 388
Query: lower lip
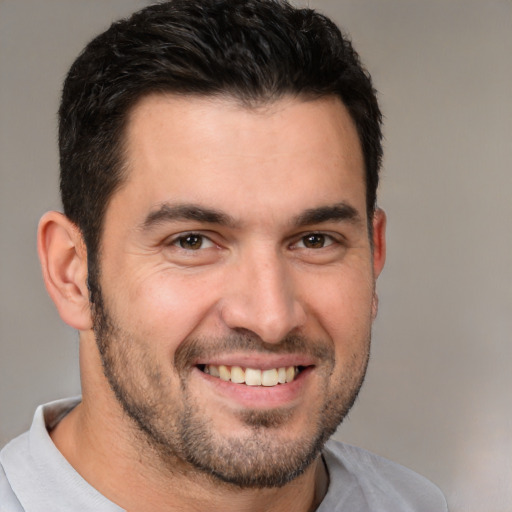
259 397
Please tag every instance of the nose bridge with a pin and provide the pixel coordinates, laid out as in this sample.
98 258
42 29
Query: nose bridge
261 297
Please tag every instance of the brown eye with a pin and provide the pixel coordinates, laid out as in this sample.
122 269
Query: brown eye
191 242
314 241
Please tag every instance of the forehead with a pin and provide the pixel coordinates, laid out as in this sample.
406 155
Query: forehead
207 150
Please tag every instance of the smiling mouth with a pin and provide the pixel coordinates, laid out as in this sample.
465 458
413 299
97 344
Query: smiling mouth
253 376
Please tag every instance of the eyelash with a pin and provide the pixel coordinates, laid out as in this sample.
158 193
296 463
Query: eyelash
325 240
178 240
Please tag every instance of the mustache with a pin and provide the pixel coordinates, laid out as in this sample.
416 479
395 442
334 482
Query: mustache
204 347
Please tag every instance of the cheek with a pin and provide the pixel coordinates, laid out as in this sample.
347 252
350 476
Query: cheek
342 305
164 308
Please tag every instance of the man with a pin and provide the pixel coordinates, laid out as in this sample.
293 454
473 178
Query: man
218 254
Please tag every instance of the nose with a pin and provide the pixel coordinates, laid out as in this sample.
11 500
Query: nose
261 297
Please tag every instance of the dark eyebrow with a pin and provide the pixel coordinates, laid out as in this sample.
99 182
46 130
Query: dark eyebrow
337 212
169 212
174 212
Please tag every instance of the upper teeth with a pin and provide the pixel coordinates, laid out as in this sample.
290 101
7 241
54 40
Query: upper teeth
252 376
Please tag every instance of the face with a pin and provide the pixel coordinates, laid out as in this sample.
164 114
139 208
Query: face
237 282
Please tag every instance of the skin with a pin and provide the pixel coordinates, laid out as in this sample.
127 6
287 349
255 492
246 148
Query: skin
255 276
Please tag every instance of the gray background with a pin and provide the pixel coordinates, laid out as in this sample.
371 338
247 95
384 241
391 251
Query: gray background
437 396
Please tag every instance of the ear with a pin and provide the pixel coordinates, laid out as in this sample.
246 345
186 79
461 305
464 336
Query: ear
379 251
63 257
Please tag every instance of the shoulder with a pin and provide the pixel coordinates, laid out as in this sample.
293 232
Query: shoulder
35 476
359 476
29 462
8 500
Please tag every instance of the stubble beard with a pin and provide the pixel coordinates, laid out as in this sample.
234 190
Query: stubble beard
180 434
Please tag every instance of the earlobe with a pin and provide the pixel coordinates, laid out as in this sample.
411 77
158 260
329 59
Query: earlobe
63 259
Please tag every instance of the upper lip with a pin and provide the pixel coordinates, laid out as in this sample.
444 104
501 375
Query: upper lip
260 361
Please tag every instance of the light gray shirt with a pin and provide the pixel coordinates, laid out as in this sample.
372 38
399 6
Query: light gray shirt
35 477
